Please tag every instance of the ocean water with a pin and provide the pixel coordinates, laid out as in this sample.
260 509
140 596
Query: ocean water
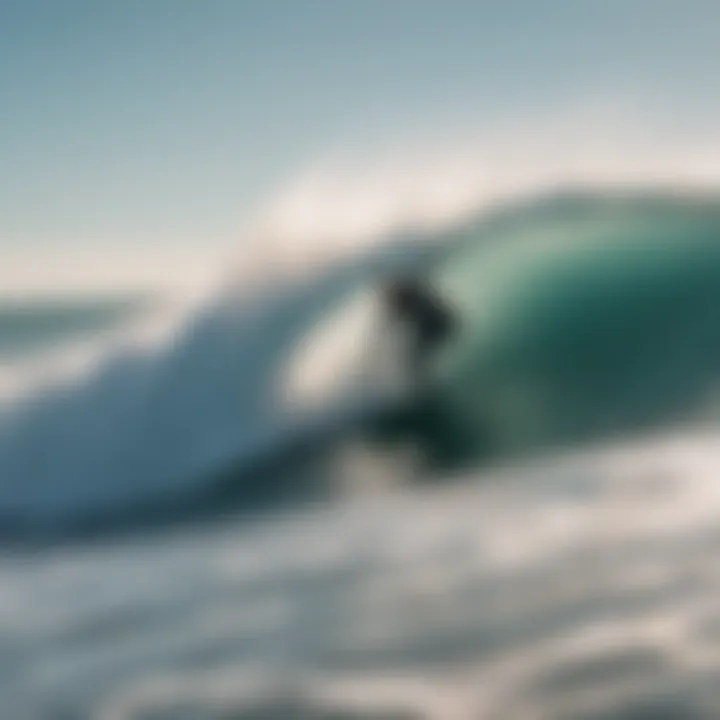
29 328
230 510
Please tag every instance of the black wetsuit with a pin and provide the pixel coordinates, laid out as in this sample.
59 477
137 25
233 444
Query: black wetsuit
433 323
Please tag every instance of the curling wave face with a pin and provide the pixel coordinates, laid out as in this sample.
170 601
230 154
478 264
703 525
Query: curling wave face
582 316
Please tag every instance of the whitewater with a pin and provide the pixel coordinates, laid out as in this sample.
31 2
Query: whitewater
566 570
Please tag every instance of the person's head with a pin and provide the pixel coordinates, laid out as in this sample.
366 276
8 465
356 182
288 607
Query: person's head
395 288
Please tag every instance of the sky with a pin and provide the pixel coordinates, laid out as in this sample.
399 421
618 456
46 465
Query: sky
154 128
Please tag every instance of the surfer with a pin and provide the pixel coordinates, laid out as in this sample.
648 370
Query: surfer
411 301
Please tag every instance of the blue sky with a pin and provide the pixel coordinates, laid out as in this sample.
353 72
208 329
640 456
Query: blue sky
155 123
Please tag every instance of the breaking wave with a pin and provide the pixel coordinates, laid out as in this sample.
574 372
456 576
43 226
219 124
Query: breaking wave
583 314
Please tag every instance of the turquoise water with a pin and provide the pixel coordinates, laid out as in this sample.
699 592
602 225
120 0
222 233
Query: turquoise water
579 321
